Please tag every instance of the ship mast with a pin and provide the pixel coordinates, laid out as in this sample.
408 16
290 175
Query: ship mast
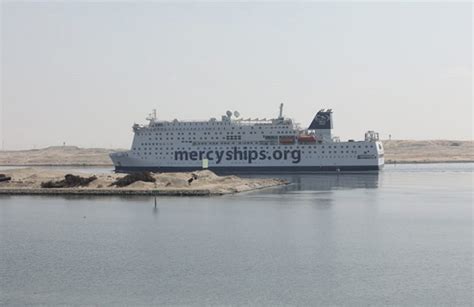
152 116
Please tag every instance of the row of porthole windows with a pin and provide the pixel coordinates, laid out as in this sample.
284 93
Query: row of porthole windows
196 123
193 138
201 129
250 147
206 123
318 157
194 133
171 153
145 130
307 146
150 150
188 138
225 148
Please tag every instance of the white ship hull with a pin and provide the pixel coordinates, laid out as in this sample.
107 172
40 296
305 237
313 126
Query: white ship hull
235 147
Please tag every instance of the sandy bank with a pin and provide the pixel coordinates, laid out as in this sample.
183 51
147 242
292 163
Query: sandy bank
406 151
28 181
58 155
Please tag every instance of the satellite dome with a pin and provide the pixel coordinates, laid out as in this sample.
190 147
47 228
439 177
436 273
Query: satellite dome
229 113
236 113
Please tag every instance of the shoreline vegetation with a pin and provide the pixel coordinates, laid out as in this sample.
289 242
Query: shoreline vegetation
396 152
36 181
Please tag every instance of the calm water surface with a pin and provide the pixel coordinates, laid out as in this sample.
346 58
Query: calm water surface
403 237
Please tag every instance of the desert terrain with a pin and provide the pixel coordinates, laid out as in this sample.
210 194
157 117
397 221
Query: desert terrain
200 183
57 155
408 151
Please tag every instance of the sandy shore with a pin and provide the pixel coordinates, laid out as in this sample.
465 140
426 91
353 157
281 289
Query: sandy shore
28 181
399 151
58 155
402 151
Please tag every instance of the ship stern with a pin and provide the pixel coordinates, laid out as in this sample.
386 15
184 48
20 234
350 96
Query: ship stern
380 155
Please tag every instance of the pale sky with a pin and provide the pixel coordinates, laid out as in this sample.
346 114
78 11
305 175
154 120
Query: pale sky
84 72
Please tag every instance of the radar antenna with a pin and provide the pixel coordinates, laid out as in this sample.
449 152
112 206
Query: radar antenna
152 116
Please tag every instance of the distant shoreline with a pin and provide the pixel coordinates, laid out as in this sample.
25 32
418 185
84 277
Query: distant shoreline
59 165
396 152
111 165
429 162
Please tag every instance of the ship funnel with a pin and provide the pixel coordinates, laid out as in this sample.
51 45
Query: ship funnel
322 120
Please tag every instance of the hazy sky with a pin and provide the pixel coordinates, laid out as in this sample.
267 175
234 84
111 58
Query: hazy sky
84 72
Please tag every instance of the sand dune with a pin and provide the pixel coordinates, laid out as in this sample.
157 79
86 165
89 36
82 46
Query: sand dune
428 151
395 151
57 155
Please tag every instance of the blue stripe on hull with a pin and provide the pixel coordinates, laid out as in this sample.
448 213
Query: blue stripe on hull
254 169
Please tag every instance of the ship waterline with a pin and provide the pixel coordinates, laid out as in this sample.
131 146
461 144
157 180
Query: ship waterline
236 145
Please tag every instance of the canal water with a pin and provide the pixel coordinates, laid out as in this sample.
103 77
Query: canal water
403 237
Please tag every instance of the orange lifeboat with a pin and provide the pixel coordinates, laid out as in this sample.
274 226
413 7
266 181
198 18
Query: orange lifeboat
287 139
306 139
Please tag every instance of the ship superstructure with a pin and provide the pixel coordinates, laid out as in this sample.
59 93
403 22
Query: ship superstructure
236 145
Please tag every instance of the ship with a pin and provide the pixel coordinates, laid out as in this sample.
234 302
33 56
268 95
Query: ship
234 145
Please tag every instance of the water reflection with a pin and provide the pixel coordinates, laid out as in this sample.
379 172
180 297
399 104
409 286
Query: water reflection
328 182
323 203
155 208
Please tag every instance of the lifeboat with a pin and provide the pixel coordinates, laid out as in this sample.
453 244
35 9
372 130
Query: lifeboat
306 139
287 139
